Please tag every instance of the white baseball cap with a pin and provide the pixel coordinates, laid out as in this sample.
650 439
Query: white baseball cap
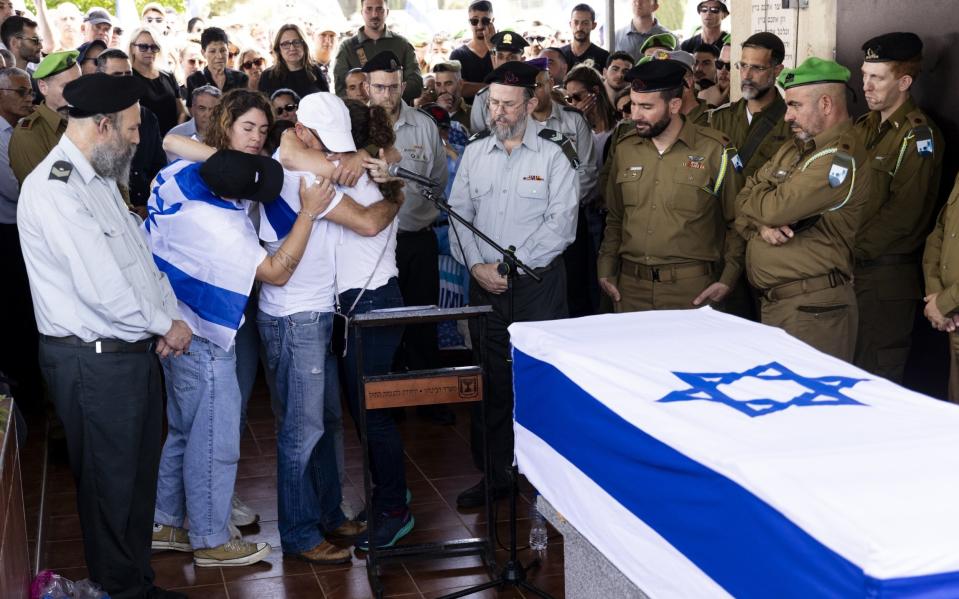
328 116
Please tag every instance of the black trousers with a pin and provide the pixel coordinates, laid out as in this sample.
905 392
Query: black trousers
18 352
111 408
531 301
580 270
417 258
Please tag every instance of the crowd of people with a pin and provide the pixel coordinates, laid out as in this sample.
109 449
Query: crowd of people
221 197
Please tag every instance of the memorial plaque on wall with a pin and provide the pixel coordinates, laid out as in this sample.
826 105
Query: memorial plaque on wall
772 17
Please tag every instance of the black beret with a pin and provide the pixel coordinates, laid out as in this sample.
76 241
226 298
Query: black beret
384 61
100 93
515 73
508 41
893 46
240 176
656 75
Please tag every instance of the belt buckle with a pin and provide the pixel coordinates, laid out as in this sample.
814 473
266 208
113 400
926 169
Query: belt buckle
655 272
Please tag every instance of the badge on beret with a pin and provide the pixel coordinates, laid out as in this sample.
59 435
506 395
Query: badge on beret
60 171
507 38
510 78
661 55
871 54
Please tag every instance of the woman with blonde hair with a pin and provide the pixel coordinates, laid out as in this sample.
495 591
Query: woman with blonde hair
163 90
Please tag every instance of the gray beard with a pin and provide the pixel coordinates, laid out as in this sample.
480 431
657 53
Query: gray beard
754 93
504 132
112 160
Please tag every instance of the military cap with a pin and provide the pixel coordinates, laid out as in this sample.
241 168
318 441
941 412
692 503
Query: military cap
682 57
814 70
893 46
515 73
660 40
100 93
84 48
656 75
384 61
55 62
240 176
508 41
720 2
540 62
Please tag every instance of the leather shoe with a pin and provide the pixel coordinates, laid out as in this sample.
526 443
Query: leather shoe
325 553
348 531
475 496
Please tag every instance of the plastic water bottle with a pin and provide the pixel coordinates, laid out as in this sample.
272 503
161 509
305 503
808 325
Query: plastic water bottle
537 528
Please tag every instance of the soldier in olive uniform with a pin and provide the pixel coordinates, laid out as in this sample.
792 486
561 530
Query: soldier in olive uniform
37 134
940 265
800 212
507 47
669 240
905 155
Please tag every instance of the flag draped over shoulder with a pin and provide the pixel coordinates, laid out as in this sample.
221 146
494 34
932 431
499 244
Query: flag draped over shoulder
207 247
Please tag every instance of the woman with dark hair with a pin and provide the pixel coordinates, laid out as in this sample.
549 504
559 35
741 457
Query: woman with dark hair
215 45
293 65
585 91
163 91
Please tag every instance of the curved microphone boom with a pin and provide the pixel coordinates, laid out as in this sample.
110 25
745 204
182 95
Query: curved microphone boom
396 170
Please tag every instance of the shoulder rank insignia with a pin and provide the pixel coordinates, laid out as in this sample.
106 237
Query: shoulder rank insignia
842 163
924 143
563 142
478 135
60 171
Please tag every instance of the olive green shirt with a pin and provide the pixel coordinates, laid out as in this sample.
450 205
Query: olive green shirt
733 121
940 261
906 182
672 208
33 138
357 50
794 185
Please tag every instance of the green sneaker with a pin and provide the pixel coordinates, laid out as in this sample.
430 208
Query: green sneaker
170 538
235 552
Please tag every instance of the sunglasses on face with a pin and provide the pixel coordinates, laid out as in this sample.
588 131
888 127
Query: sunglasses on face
291 108
476 21
722 65
194 61
577 97
256 62
537 38
147 48
710 9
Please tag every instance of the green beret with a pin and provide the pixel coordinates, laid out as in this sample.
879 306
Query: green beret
55 62
660 40
814 70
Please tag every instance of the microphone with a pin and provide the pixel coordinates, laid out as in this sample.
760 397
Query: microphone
396 170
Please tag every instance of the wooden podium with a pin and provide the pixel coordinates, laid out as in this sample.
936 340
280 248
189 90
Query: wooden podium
417 388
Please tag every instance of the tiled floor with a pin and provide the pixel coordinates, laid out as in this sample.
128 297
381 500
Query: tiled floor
438 468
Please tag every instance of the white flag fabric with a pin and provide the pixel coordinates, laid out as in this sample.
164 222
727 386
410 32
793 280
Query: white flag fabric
709 456
208 248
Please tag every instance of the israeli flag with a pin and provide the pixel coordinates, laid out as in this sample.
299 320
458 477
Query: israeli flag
208 248
709 456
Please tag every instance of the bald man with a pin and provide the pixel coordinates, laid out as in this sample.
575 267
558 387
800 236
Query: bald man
800 213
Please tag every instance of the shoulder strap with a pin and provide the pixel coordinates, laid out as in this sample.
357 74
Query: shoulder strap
563 142
767 121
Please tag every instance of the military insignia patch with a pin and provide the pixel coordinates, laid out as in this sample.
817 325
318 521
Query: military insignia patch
60 171
698 162
924 144
737 163
533 178
842 163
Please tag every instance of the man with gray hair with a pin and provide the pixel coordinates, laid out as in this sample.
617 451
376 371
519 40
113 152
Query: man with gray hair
203 100
103 312
449 91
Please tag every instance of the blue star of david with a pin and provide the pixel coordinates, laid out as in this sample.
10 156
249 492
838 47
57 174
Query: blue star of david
820 391
161 210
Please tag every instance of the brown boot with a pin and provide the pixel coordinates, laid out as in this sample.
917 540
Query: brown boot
348 531
325 553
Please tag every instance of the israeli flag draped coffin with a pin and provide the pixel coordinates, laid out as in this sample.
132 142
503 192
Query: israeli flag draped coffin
708 456
207 247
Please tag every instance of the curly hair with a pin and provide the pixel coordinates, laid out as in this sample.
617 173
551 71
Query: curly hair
371 127
234 104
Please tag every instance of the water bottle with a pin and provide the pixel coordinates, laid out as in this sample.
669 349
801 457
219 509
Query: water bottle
537 528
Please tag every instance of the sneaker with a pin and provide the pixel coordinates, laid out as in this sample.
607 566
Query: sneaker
325 553
389 530
170 538
348 531
242 514
361 517
235 552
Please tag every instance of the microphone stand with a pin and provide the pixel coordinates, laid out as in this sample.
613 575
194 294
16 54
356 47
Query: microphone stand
513 572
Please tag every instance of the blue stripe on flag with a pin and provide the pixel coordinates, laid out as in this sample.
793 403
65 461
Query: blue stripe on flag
742 543
209 302
193 188
281 216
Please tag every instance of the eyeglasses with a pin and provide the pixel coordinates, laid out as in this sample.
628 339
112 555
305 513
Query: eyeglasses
256 62
23 92
194 61
476 21
35 39
147 48
291 44
287 108
382 89
577 97
722 65
745 66
537 38
710 9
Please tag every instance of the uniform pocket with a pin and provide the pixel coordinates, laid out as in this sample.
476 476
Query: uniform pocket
628 180
118 247
822 312
691 190
533 190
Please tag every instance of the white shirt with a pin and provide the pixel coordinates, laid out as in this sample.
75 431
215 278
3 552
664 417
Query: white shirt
9 186
310 288
356 255
91 274
186 129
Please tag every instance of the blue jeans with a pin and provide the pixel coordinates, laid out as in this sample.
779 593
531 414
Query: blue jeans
202 448
387 467
247 355
308 484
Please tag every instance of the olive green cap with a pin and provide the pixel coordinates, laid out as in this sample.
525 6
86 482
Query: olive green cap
660 40
55 62
814 70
